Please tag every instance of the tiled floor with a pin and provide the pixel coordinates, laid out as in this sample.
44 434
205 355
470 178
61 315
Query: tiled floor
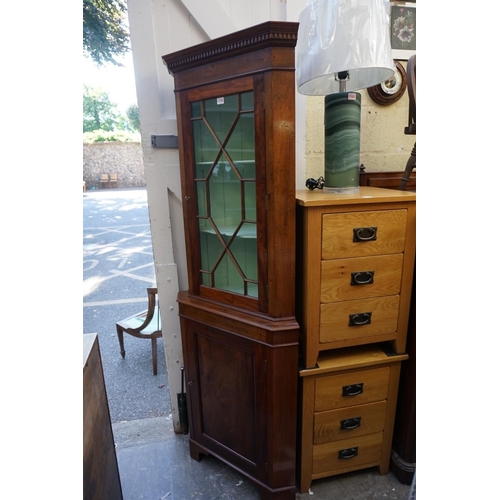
154 464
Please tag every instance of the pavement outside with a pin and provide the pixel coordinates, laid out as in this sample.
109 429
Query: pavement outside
117 268
153 461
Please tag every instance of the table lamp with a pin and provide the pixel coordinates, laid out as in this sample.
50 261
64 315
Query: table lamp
343 46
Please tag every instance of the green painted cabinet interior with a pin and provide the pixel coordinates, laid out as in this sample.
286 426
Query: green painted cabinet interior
224 151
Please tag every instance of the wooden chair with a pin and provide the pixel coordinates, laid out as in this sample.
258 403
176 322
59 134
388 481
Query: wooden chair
113 180
144 325
104 181
411 129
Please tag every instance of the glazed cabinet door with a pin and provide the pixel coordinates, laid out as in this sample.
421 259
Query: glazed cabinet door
222 179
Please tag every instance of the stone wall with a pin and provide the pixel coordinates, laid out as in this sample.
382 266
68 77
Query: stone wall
122 158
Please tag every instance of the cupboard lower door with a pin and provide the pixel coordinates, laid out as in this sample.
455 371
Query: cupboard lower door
242 402
227 395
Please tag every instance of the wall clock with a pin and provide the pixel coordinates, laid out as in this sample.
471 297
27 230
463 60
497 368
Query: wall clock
391 90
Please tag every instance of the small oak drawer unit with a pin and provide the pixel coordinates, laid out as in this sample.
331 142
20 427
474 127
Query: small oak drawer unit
355 256
348 404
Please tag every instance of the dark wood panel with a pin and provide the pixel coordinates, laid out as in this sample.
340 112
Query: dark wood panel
227 376
404 452
389 180
101 478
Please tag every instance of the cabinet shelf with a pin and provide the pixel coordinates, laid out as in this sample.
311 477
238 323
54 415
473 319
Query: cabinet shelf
244 232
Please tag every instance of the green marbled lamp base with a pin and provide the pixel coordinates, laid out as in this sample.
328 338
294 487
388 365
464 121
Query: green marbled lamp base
342 142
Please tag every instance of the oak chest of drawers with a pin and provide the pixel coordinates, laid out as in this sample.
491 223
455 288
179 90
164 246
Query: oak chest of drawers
355 257
348 402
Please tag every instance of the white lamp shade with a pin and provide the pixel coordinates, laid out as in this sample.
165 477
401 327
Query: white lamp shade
343 35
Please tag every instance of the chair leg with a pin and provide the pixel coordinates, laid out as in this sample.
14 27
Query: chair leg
119 331
410 165
155 355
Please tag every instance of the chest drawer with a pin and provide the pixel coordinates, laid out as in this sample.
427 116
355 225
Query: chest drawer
352 388
341 433
357 452
353 248
361 277
357 319
349 422
358 234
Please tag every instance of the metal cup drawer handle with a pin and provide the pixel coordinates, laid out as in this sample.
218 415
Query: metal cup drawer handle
362 277
348 453
350 423
364 234
352 390
358 319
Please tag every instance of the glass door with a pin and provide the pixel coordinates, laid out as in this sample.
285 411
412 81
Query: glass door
225 182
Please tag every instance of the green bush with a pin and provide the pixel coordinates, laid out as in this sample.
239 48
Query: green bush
113 136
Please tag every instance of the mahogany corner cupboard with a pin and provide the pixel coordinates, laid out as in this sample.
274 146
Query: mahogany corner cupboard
235 101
